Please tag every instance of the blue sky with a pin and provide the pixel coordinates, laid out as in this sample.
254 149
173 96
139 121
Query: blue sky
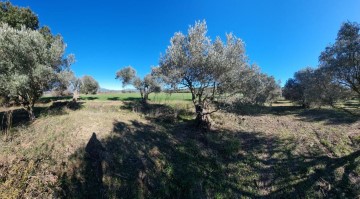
280 36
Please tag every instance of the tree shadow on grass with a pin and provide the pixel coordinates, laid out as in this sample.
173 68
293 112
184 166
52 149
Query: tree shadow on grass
159 112
113 98
257 110
328 178
88 98
138 99
46 100
141 160
21 117
328 115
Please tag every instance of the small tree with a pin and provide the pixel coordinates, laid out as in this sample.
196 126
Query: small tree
89 85
29 64
211 71
342 59
149 84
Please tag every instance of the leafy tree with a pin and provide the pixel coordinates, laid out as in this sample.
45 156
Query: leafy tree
66 82
293 91
259 88
149 84
211 71
29 65
89 85
311 87
17 17
342 59
307 82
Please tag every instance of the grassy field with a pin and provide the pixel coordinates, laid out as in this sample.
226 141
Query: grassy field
106 148
154 97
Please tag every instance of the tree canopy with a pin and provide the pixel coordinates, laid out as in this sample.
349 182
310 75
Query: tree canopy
89 85
314 87
338 74
149 84
213 71
342 59
17 17
31 58
29 64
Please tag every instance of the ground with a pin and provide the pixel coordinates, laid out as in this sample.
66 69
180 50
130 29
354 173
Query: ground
119 149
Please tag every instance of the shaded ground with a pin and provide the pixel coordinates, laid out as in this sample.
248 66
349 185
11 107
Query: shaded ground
281 108
112 150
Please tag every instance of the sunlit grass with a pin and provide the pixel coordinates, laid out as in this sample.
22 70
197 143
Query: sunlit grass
154 97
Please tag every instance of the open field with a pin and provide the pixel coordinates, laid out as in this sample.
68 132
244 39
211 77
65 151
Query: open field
205 115
154 97
116 149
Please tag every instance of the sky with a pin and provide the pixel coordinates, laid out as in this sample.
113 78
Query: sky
281 36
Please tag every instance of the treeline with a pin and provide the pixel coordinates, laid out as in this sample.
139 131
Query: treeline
337 77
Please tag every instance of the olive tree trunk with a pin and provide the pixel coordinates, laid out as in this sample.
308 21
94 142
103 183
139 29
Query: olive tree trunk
203 119
30 110
29 107
145 98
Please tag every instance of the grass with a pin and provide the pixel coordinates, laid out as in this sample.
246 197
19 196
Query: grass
115 149
154 97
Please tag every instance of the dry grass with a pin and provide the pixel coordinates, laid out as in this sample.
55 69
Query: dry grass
276 152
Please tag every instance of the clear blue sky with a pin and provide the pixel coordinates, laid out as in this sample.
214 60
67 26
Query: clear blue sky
281 36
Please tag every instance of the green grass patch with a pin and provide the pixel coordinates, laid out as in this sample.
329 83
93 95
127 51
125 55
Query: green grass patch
154 97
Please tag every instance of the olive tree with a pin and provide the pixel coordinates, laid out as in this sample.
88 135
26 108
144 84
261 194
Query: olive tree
211 71
292 90
17 17
259 88
29 65
88 85
311 87
342 59
149 84
64 83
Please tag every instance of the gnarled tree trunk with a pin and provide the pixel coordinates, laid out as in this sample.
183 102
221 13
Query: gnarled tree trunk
6 123
145 98
203 119
75 96
30 110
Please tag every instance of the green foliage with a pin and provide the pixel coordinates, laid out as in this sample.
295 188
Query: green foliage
259 88
146 86
311 87
213 71
342 59
338 74
65 82
29 64
161 97
17 17
126 75
89 85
